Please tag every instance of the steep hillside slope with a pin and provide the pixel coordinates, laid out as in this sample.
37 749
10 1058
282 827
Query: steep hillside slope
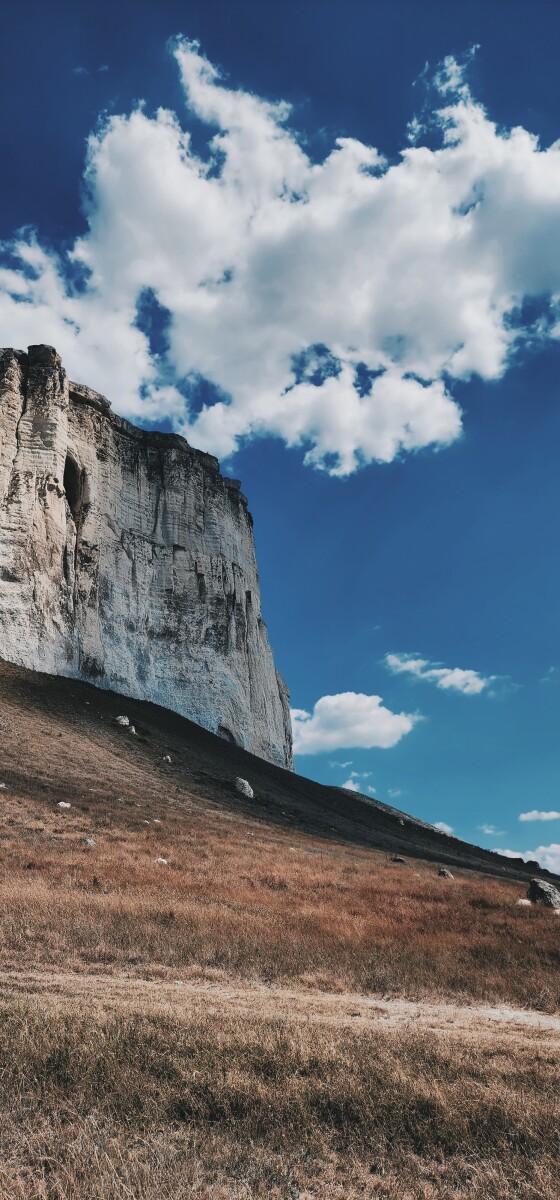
61 741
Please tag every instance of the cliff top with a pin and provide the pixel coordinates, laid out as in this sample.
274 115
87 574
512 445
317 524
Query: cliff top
46 356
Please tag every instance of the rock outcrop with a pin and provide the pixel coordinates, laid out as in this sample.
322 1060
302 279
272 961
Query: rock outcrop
127 559
540 891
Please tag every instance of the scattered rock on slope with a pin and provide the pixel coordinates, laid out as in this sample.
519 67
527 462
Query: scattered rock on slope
541 892
245 788
445 874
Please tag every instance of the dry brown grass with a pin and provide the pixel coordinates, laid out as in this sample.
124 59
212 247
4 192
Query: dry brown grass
263 906
150 1107
102 1102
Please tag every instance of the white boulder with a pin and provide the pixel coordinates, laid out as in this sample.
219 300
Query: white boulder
245 788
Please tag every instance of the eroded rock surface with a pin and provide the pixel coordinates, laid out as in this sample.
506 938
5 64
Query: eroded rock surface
127 559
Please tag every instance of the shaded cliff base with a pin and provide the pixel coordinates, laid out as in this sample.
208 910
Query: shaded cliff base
209 997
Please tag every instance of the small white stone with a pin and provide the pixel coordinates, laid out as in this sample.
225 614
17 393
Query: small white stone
63 804
90 841
162 862
167 758
122 721
131 729
245 788
524 903
2 787
156 821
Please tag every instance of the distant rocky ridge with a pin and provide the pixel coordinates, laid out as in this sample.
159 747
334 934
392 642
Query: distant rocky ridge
128 560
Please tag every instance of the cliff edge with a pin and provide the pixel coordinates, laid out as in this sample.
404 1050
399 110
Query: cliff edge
128 560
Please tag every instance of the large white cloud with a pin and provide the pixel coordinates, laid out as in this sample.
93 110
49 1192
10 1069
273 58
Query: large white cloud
547 856
456 679
330 303
349 719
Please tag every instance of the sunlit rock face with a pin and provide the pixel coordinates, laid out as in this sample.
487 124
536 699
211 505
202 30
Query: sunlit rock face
127 559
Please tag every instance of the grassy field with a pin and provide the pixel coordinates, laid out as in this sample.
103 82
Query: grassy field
264 907
216 1024
101 1104
144 1106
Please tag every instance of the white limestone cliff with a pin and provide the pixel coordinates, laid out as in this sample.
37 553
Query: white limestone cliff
127 559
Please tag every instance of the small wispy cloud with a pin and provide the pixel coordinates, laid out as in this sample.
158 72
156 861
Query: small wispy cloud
394 793
535 815
87 71
457 679
443 827
550 676
352 785
490 830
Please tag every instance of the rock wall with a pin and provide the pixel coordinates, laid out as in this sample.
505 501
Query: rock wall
127 559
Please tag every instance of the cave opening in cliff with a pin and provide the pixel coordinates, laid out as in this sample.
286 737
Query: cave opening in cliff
73 487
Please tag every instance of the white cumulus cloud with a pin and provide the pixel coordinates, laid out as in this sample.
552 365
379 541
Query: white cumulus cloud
352 784
546 856
456 679
330 303
535 815
349 719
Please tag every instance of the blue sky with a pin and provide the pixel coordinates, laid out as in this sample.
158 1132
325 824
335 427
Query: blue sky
334 260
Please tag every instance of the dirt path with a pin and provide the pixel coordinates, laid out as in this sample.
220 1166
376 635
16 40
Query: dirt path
186 998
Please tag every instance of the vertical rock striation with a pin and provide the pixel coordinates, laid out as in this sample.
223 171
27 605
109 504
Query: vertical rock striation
127 559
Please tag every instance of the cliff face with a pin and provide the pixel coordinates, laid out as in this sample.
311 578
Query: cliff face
127 559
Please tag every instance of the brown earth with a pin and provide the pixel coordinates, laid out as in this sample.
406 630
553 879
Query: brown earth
274 1010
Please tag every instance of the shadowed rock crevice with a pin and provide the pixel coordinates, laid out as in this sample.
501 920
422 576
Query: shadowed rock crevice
73 488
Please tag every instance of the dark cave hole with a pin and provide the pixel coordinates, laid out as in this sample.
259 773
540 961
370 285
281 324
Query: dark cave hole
73 487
